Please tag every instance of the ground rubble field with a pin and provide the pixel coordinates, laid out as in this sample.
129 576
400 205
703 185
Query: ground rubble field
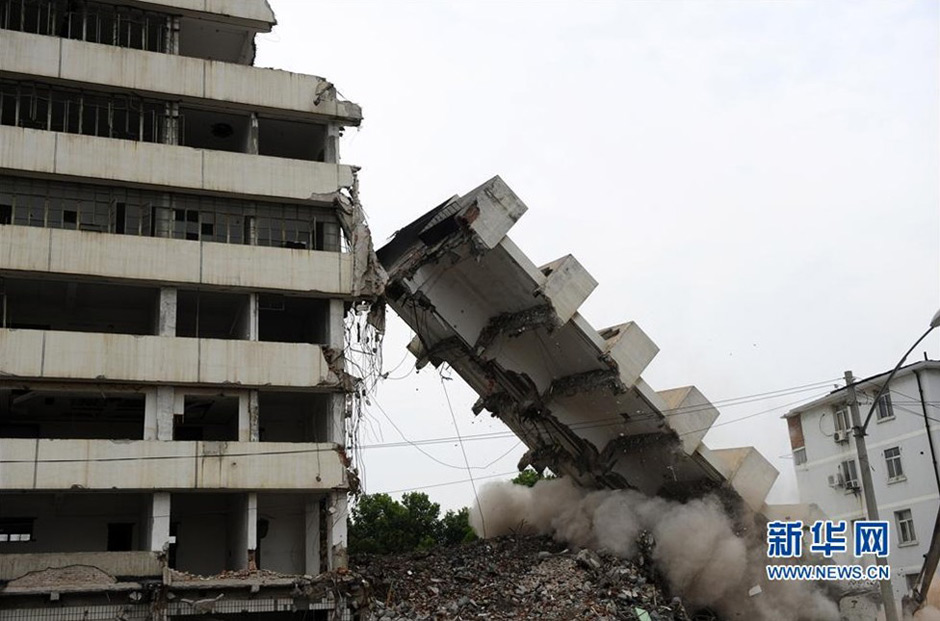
517 577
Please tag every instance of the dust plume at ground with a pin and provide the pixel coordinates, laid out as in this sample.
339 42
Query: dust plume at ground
694 545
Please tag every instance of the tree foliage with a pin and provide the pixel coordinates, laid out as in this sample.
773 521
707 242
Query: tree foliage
530 477
381 525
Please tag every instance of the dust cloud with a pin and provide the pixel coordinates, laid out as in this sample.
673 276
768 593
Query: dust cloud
696 551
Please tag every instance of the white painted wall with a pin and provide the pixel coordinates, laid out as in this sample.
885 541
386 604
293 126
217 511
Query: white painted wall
918 492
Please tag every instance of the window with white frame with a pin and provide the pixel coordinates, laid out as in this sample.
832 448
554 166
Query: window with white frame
893 461
841 418
885 409
905 522
849 474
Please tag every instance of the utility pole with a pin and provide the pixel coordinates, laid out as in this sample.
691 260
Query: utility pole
868 490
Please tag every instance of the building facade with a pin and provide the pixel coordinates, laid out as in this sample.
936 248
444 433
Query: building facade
180 249
903 439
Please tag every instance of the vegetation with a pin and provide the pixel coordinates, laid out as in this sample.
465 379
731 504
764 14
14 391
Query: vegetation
530 477
381 525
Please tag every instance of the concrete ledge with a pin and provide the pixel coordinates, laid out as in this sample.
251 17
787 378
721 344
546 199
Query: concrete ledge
181 77
48 465
174 261
689 414
99 357
567 285
129 564
747 471
151 165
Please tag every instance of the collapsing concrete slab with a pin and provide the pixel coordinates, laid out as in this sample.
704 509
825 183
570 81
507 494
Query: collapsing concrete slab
572 393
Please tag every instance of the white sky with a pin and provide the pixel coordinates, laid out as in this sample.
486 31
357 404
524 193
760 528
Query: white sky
754 183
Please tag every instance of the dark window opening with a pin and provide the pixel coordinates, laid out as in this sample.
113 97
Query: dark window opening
212 315
287 319
79 306
18 529
290 139
72 415
120 537
210 418
219 131
293 416
6 214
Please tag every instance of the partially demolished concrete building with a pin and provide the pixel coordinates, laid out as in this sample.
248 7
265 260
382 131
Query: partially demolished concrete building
572 393
179 250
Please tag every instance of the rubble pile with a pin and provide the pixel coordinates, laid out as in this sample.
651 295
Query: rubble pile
517 577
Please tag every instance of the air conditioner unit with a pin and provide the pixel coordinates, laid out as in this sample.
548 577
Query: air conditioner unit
836 480
840 436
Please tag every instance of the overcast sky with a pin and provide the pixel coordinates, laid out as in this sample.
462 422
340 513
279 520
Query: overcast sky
754 183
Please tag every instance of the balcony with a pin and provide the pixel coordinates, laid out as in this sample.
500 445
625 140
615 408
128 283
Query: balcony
60 465
48 354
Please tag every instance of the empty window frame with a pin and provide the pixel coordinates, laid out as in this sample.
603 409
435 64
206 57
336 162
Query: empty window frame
88 21
78 306
885 409
849 474
71 415
109 115
893 463
52 204
207 417
904 520
16 529
290 319
212 315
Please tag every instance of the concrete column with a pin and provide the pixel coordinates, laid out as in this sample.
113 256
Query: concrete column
312 536
242 531
158 533
251 141
166 313
335 328
159 406
248 320
248 426
336 419
331 148
336 536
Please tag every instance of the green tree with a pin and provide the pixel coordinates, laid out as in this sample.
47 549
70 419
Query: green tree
380 525
530 477
455 527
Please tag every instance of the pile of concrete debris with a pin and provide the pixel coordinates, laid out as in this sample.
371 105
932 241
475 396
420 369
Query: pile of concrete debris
517 577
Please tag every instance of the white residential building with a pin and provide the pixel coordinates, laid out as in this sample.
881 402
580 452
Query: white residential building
179 248
903 439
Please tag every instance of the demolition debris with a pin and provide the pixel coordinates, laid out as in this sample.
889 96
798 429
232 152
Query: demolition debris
519 577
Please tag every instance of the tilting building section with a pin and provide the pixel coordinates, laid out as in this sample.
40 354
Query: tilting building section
179 246
572 393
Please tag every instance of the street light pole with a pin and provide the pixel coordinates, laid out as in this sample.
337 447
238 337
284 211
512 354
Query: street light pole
859 430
